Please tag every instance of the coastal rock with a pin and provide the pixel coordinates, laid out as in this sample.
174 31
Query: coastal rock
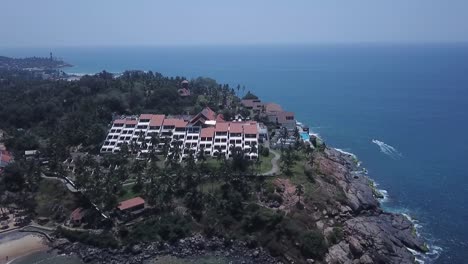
136 249
365 259
196 246
371 235
387 235
339 254
355 246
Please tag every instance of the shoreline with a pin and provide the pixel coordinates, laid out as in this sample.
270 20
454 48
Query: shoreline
14 245
433 251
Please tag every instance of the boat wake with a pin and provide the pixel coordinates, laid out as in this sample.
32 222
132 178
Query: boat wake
387 149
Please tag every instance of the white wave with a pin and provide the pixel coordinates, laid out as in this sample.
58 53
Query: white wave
314 134
346 153
387 149
384 194
430 256
433 252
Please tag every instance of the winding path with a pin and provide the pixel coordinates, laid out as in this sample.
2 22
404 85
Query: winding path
274 163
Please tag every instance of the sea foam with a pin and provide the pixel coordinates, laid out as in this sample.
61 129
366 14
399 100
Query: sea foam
387 149
433 252
346 153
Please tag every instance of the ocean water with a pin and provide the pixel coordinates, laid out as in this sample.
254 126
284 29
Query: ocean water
402 109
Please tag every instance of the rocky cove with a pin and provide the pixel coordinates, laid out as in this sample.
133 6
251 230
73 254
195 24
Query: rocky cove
346 200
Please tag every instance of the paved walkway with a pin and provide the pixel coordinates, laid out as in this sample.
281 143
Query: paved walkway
274 163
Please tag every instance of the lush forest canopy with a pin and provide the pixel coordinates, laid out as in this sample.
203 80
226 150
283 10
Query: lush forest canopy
78 112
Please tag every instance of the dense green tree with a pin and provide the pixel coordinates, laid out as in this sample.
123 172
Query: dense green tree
288 160
249 95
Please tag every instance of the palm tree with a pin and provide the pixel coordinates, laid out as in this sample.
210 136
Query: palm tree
299 192
201 155
288 159
254 148
296 133
155 140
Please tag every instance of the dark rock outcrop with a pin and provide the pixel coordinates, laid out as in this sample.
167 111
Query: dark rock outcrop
370 235
191 247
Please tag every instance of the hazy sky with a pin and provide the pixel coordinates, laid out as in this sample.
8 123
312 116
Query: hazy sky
188 22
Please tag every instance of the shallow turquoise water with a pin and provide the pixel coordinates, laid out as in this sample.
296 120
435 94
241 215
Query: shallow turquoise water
305 135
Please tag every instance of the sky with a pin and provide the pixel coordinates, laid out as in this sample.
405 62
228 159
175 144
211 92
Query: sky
197 22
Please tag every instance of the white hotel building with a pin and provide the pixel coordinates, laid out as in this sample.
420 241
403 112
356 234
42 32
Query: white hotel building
206 131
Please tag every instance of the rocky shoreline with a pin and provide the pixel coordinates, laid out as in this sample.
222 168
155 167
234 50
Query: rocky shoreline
191 247
371 235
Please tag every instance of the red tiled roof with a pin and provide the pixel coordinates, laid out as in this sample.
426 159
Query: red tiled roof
251 103
221 127
208 113
219 118
272 107
5 156
77 214
207 132
126 121
235 128
127 204
119 121
282 117
131 122
250 129
146 116
205 114
174 122
157 120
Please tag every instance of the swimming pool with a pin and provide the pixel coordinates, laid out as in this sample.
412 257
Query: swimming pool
305 136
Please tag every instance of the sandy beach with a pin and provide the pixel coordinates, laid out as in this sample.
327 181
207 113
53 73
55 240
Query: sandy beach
16 244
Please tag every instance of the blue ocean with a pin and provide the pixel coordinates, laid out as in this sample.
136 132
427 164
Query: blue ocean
402 109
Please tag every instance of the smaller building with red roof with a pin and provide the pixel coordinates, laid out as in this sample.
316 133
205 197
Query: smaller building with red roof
76 217
132 205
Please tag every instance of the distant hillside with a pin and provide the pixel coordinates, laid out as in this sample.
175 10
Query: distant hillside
37 63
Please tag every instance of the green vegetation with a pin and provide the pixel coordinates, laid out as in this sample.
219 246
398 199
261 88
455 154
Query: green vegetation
128 192
53 200
375 191
167 227
313 245
336 235
249 95
77 113
32 62
265 162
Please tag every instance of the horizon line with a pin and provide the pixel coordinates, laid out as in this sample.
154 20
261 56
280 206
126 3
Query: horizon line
363 43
